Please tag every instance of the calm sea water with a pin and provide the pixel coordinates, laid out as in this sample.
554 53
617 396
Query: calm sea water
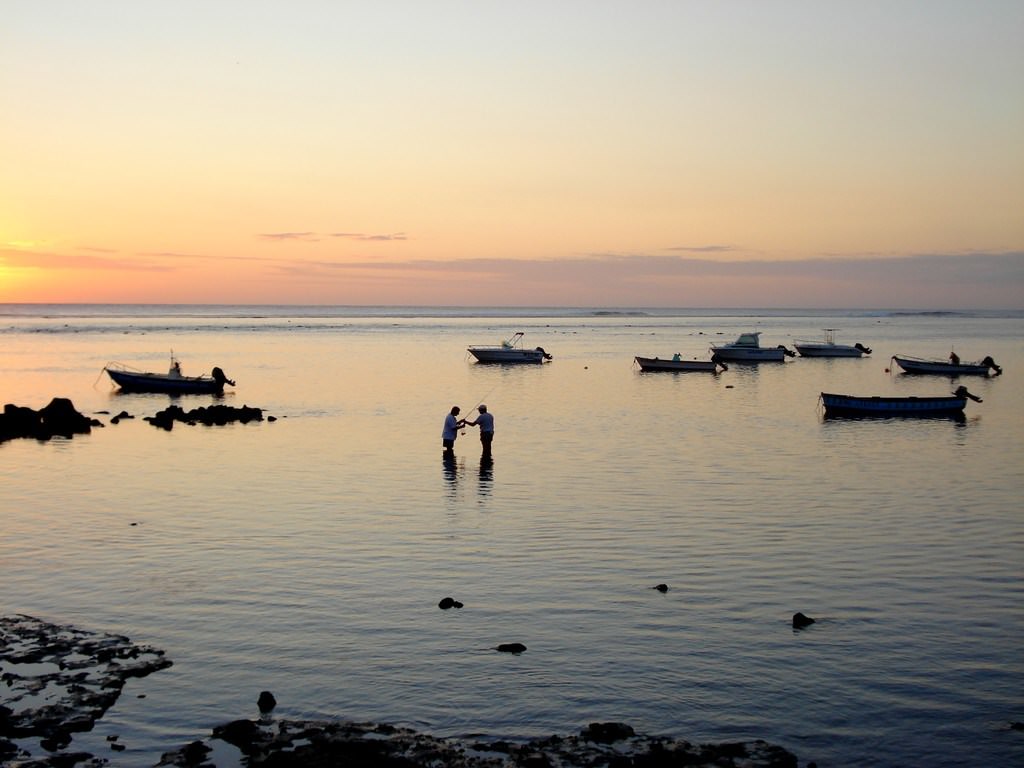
307 556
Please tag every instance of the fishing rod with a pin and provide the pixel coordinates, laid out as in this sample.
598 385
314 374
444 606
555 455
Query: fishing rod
478 404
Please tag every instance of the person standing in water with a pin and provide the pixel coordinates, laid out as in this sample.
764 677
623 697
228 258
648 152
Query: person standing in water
486 423
452 425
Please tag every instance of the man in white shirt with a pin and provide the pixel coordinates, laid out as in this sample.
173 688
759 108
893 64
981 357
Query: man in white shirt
452 425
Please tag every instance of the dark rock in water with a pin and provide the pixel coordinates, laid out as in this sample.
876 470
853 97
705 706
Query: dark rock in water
61 418
190 756
661 588
448 602
511 648
8 749
57 419
121 415
243 734
323 744
211 415
266 701
606 733
800 621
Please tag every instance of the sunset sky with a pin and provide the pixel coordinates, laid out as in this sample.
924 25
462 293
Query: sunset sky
572 152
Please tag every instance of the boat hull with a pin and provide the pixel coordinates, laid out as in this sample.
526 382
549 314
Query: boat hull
748 355
940 367
648 364
502 355
817 349
850 405
130 381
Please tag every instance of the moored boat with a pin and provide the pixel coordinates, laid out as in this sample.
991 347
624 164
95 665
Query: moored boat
172 383
677 364
747 349
852 405
828 347
951 367
510 351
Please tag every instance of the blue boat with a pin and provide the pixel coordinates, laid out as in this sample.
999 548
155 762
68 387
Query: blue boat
852 405
171 383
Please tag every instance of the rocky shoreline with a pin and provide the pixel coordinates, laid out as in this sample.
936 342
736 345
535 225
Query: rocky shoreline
323 744
58 680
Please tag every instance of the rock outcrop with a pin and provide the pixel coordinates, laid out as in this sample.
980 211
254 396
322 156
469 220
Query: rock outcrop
57 419
210 415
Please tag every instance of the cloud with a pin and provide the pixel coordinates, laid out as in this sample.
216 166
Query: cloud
369 238
306 237
703 248
314 237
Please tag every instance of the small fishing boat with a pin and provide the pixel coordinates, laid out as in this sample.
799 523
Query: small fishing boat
828 347
851 405
510 351
172 383
747 349
951 367
677 364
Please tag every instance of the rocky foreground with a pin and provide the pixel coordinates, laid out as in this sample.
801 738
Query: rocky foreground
322 744
58 680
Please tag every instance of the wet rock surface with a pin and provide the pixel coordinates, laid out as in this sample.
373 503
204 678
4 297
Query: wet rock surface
57 680
319 744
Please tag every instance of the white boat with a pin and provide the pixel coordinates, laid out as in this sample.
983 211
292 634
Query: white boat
677 364
510 351
827 347
747 349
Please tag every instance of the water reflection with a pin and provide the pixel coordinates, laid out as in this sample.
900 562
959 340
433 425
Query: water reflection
454 469
450 471
486 479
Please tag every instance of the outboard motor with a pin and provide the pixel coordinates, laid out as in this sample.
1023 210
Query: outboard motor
546 355
992 364
787 352
862 348
220 378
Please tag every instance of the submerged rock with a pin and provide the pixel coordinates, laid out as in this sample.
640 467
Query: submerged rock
607 733
266 702
800 621
511 648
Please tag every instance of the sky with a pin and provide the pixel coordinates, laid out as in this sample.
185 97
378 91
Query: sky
667 153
